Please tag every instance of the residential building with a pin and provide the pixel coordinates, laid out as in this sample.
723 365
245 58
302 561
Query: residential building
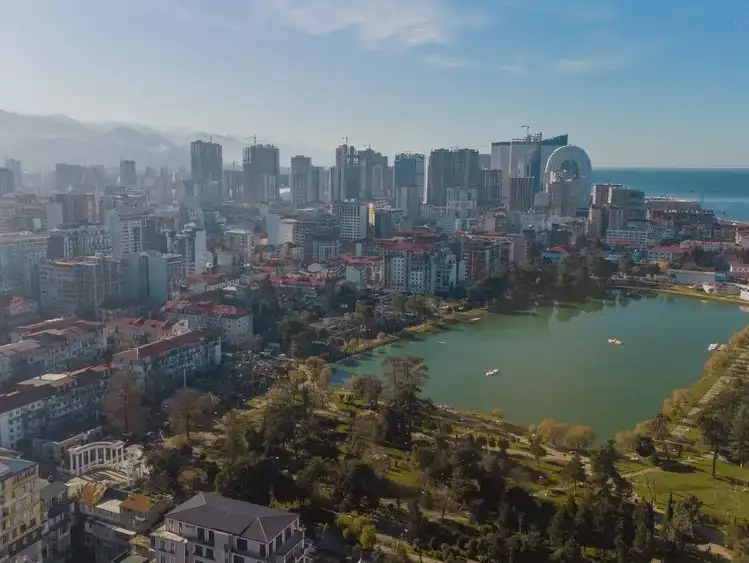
490 190
112 518
233 181
365 272
48 401
372 169
353 218
450 168
152 277
207 168
261 165
129 332
191 245
665 253
75 241
71 209
22 511
636 238
524 157
131 232
50 349
212 528
409 171
56 521
241 242
128 174
20 255
409 200
521 194
321 247
233 323
407 266
20 310
7 181
346 176
78 285
69 176
168 363
461 203
302 186
16 169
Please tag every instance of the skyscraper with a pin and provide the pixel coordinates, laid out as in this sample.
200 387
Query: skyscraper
452 168
7 181
261 165
372 166
301 179
207 165
128 174
409 170
346 178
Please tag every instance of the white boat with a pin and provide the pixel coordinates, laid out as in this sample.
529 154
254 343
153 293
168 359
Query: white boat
713 347
615 341
491 372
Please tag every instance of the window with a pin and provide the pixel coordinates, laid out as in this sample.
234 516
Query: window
238 559
287 533
209 553
198 550
241 544
262 550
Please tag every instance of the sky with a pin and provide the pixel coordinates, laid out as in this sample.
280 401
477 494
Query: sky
634 82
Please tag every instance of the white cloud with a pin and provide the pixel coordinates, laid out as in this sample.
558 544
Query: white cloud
404 22
441 61
611 54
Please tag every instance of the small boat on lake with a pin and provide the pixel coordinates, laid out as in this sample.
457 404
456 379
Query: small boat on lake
713 347
491 372
615 341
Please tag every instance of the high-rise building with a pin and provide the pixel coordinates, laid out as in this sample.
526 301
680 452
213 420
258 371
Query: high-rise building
321 184
302 182
20 483
347 177
353 216
521 194
262 170
69 176
73 241
372 166
20 255
232 183
409 199
191 245
152 276
130 232
524 158
448 168
207 167
408 170
7 181
490 192
17 169
78 285
128 174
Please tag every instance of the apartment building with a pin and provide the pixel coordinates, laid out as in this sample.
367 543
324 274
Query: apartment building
111 518
211 528
131 230
130 332
167 363
20 256
241 242
48 401
47 349
74 241
354 219
233 323
407 266
78 285
21 511
56 517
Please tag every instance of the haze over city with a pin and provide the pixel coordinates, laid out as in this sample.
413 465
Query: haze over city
637 84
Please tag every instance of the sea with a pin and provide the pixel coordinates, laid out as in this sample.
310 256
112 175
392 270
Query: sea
726 191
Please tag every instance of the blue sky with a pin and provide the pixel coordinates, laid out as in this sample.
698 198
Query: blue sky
635 82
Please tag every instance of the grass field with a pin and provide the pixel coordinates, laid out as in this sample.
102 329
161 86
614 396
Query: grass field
723 498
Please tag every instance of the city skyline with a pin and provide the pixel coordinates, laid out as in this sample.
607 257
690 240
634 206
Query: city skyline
634 91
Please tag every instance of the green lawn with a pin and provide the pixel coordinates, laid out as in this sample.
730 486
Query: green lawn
722 498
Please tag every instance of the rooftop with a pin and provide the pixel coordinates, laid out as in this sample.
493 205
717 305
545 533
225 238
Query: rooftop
163 346
140 323
11 466
251 521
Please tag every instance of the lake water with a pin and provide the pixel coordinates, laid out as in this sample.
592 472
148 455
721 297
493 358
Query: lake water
558 364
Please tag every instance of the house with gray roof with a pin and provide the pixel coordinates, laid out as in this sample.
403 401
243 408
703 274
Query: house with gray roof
212 528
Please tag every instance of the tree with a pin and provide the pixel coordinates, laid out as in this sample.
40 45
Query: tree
739 434
714 433
659 426
368 537
189 409
741 551
550 431
644 446
574 472
537 450
234 441
580 437
123 404
627 438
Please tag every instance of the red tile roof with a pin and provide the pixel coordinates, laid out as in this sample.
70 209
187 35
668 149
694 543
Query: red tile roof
146 325
163 346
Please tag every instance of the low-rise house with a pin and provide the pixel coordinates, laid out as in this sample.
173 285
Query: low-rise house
739 271
51 346
21 310
709 245
211 528
129 332
56 518
50 400
665 253
112 518
168 363
233 323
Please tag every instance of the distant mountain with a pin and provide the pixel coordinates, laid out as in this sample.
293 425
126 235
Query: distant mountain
40 141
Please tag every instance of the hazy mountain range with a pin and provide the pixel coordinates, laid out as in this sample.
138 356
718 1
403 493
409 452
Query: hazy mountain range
40 141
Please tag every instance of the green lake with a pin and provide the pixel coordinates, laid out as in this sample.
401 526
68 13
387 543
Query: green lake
557 363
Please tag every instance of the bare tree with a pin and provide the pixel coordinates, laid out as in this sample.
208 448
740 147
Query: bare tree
189 410
123 404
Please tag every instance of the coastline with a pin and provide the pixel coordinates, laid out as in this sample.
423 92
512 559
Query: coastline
686 292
